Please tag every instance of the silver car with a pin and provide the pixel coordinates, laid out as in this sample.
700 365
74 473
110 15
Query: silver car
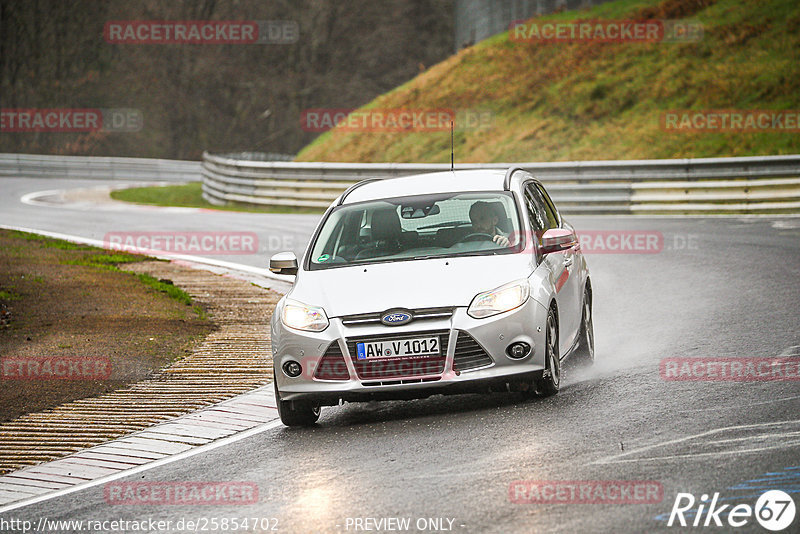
446 282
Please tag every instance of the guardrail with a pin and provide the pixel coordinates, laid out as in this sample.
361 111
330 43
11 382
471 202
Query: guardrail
91 167
768 184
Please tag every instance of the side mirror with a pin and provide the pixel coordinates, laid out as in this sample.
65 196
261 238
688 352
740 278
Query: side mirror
558 239
283 263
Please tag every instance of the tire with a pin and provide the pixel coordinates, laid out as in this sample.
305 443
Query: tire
296 413
584 353
550 382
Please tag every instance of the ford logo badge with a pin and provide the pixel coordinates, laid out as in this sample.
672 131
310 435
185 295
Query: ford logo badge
396 317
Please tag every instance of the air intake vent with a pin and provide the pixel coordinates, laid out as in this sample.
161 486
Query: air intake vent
469 354
332 365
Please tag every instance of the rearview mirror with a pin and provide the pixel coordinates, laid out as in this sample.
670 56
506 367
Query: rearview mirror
412 211
283 263
558 239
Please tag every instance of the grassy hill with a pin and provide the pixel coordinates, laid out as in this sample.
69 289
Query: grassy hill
593 100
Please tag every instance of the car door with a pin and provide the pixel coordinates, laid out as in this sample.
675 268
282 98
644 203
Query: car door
570 291
561 265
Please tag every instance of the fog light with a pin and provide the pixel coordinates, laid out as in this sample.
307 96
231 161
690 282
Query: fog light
518 350
292 369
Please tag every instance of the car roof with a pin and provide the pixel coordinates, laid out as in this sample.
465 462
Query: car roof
429 183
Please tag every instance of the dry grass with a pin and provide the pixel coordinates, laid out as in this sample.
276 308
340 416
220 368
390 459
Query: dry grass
575 101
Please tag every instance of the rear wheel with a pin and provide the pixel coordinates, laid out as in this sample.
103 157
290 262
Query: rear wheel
584 354
550 382
296 413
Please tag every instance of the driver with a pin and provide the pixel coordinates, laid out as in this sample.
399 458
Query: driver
484 221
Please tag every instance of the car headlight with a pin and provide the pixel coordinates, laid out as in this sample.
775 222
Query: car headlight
304 317
502 299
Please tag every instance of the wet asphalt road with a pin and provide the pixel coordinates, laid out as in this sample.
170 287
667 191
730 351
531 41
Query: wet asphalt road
721 288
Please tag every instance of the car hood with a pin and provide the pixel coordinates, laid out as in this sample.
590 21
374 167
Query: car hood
407 284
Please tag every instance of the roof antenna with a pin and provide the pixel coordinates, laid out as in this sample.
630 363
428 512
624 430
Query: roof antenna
452 157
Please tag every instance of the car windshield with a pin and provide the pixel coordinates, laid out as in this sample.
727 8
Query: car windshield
418 227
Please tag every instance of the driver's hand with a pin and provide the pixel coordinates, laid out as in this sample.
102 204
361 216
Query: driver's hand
502 241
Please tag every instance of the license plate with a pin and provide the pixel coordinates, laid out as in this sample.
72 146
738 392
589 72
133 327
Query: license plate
398 348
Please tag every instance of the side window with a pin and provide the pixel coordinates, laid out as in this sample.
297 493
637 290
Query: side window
550 208
536 210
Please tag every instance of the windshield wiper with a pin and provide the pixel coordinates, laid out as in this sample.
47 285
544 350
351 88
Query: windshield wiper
454 224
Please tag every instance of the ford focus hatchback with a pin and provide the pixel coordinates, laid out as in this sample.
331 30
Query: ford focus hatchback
449 282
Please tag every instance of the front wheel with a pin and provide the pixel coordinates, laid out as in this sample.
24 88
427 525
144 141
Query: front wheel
296 413
550 382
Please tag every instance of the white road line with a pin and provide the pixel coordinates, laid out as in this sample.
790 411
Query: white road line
794 350
145 467
687 216
698 454
34 199
740 406
616 458
760 437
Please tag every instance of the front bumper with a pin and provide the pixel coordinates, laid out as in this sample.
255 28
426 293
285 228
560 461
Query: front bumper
493 335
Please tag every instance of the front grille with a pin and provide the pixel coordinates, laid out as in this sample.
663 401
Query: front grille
332 365
469 354
398 367
404 381
420 314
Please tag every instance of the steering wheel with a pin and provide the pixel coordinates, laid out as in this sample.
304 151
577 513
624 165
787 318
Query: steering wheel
476 236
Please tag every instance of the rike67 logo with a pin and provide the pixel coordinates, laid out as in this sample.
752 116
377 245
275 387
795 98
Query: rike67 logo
774 510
